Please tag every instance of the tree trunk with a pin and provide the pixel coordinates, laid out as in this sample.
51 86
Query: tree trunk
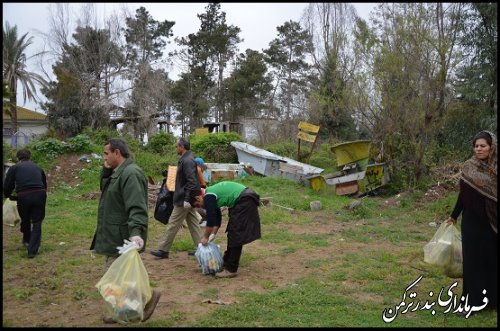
13 111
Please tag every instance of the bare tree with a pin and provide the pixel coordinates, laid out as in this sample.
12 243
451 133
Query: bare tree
332 27
414 56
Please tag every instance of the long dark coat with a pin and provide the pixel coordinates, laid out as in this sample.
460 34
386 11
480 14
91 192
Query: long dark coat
479 248
244 220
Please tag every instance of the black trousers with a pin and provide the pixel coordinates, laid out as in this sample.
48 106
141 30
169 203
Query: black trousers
232 258
31 209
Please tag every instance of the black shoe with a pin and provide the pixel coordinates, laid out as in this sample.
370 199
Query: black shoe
30 256
151 305
191 253
161 254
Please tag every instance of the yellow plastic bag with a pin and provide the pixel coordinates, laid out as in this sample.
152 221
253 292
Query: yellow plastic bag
445 249
125 287
10 214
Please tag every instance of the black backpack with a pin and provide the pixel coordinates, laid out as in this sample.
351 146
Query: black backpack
164 204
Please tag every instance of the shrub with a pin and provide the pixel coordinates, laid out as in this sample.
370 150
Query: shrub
101 135
9 154
161 143
153 163
80 144
215 147
134 145
286 149
50 147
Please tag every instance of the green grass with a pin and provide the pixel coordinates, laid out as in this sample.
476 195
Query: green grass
376 252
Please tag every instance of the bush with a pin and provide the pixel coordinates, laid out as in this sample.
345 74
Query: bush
153 163
9 154
215 147
162 143
288 150
101 135
134 145
50 147
80 144
323 157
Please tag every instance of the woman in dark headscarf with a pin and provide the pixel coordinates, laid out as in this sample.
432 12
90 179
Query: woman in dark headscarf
477 201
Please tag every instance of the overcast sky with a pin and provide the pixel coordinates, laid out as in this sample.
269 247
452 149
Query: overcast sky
257 21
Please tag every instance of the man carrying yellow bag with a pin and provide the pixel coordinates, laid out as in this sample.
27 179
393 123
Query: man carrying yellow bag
125 286
123 215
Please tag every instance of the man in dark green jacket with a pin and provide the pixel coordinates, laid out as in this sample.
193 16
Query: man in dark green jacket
123 209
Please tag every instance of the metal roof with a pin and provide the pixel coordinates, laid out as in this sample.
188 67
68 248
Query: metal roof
24 114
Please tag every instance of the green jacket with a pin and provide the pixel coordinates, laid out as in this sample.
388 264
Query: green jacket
123 208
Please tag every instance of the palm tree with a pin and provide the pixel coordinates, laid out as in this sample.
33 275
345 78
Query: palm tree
6 94
14 70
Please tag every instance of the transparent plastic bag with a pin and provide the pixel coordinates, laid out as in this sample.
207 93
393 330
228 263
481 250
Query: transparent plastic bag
454 267
209 258
445 247
10 213
125 286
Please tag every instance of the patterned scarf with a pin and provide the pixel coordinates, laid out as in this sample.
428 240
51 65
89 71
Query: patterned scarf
482 176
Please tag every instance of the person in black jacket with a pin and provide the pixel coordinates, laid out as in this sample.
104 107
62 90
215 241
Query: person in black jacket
187 187
477 203
30 185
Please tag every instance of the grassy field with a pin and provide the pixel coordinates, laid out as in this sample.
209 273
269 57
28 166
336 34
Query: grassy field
337 267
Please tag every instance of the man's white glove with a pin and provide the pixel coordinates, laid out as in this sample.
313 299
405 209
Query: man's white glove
211 237
138 241
187 205
127 246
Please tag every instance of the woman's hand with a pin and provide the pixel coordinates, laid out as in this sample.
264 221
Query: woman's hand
450 220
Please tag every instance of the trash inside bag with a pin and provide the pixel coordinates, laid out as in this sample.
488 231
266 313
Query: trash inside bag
10 214
454 267
445 250
209 258
125 286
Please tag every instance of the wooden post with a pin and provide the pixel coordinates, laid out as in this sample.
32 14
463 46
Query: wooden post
298 152
312 147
